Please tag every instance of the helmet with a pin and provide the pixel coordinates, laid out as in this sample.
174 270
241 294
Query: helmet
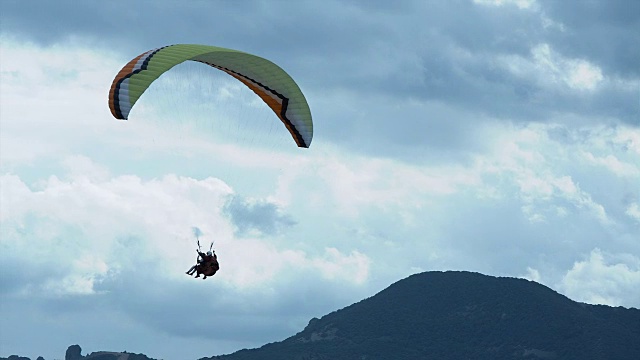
209 253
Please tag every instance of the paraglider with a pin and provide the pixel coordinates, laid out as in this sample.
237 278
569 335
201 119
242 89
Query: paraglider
206 264
267 80
272 84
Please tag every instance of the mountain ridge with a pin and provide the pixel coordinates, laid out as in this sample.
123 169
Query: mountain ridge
458 314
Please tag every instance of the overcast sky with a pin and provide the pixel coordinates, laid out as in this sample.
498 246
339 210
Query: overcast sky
497 136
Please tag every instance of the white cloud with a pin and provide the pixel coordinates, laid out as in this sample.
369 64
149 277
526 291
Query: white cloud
85 218
582 75
604 278
633 210
353 267
549 68
93 225
613 164
537 165
533 275
522 4
629 138
355 183
99 219
358 183
257 264
84 274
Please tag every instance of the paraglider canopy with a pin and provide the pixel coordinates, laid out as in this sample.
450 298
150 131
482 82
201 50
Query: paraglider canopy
272 84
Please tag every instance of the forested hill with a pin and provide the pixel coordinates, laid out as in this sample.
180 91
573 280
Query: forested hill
462 315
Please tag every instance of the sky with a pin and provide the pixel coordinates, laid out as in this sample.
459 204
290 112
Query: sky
493 136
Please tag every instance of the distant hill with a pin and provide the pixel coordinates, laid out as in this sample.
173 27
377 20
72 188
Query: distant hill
452 315
74 352
462 315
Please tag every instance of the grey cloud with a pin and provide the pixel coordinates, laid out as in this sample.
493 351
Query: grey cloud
605 31
16 275
260 215
354 59
209 310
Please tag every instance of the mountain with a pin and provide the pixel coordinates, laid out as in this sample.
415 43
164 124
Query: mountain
451 315
462 315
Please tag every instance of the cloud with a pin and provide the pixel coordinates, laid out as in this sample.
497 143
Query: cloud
97 227
103 243
551 69
72 222
522 4
533 275
606 24
440 74
634 211
614 165
257 216
502 143
604 278
380 217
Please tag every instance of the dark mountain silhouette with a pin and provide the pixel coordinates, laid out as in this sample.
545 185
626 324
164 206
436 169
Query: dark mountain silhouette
462 315
74 352
452 315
